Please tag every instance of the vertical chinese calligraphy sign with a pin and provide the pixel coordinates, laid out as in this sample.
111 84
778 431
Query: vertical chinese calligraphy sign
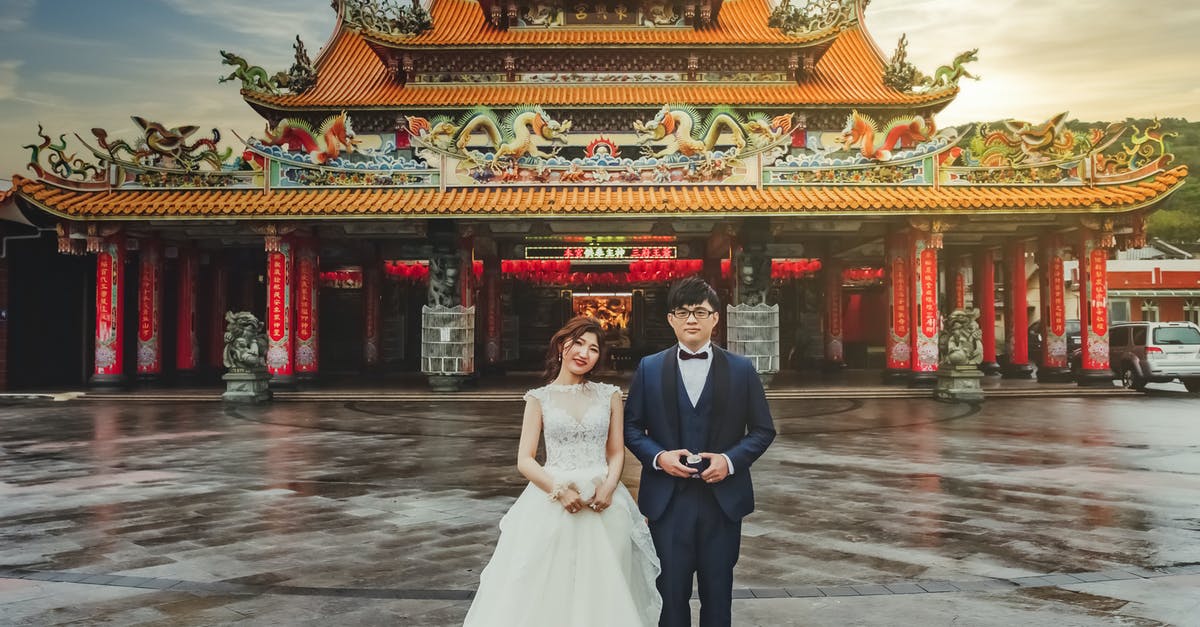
279 310
925 344
110 266
899 351
307 359
149 344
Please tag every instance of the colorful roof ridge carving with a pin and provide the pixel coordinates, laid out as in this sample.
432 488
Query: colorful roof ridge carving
521 201
463 23
351 75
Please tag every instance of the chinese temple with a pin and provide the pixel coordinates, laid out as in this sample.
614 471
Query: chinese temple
447 182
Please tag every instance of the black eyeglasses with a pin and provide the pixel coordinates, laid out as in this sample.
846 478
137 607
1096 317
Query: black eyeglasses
701 314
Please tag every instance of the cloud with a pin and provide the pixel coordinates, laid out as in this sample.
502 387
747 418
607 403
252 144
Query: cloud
1114 59
9 78
271 20
14 14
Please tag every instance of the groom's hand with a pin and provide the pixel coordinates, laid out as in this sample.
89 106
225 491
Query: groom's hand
670 462
718 468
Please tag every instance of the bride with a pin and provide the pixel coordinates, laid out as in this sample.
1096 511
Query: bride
573 549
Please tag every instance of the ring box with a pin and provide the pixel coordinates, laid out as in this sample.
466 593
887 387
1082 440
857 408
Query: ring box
695 462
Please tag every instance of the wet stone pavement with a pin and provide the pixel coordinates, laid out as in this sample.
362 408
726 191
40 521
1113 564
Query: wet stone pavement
1035 511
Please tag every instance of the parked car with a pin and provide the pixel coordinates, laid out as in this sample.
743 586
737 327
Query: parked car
1155 352
1036 337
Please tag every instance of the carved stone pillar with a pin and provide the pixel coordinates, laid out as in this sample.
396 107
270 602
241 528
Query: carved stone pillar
1054 365
985 301
372 313
280 349
926 314
109 366
1093 308
307 309
447 324
187 351
899 336
150 288
493 337
752 325
1016 316
834 347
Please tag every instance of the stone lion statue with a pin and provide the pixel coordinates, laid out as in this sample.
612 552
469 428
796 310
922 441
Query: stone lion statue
961 340
245 342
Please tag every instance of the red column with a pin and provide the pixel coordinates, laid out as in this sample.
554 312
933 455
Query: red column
187 355
1054 361
372 276
1016 316
150 287
110 270
493 354
1093 309
985 301
834 348
899 336
925 306
307 317
218 305
279 310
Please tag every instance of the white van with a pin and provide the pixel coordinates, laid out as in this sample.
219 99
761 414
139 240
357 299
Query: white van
1158 352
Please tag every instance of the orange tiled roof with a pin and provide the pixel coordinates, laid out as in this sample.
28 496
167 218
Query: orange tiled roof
351 75
462 23
597 200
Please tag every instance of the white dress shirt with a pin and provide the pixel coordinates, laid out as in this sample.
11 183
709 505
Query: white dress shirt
694 373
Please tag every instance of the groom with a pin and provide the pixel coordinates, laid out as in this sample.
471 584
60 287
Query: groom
696 399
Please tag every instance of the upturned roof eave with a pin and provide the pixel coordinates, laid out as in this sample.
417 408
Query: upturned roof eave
38 192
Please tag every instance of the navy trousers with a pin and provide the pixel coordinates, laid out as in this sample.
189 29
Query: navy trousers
695 539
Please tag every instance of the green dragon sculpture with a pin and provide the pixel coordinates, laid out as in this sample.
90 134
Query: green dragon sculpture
949 75
253 77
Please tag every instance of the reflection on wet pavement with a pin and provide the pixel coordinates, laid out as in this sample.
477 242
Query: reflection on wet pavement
338 501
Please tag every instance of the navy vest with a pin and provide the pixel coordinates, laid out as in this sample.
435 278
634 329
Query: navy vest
694 421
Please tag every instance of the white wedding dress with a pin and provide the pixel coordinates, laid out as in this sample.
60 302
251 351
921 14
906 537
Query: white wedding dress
556 569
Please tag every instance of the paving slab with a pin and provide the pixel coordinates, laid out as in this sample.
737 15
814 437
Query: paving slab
1041 511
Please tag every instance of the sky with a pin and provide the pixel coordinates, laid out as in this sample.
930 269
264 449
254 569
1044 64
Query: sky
77 64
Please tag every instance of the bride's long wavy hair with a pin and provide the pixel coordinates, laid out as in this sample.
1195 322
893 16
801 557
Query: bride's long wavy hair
571 331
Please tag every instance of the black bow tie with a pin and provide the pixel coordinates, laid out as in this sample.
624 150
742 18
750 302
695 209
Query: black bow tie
684 355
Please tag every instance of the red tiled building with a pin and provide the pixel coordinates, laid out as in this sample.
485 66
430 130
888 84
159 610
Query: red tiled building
527 160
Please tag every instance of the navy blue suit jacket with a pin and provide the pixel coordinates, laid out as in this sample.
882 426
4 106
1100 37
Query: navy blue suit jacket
741 427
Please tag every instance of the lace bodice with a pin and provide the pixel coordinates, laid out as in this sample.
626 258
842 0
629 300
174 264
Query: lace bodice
575 422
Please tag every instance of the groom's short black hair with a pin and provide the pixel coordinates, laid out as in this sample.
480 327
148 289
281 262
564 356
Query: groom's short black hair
692 291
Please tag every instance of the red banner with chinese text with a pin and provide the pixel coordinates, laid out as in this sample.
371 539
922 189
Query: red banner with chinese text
104 296
109 268
1058 305
306 271
929 309
899 297
146 302
1098 292
276 296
